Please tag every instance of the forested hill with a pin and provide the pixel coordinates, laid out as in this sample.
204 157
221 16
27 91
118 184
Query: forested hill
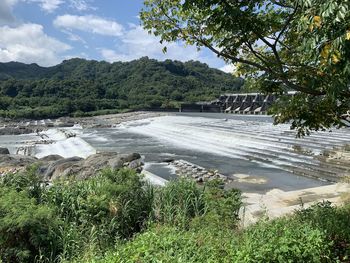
78 86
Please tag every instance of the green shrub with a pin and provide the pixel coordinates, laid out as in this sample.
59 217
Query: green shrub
26 228
178 202
171 244
27 180
283 240
115 203
223 206
334 221
90 214
277 241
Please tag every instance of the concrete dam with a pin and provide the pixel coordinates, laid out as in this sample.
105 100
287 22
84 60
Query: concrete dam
239 103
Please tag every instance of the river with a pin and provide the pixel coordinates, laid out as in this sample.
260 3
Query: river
232 144
236 145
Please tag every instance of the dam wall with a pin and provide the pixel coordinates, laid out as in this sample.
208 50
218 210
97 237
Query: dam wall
238 103
247 103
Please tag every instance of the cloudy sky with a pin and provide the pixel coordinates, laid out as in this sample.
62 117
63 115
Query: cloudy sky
48 31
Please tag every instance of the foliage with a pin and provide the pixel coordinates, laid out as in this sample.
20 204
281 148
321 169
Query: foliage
27 229
27 180
116 204
332 221
178 202
81 88
283 240
182 203
223 206
283 45
117 217
63 220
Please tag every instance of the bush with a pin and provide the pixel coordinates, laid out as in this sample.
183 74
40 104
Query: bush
277 241
26 228
115 204
334 221
283 240
27 180
178 202
90 214
171 244
223 206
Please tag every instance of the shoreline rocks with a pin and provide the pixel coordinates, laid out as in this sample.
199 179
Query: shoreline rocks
4 150
197 173
54 167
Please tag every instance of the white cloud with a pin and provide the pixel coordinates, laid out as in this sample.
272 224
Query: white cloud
6 16
137 43
48 5
51 5
89 23
228 68
81 5
28 43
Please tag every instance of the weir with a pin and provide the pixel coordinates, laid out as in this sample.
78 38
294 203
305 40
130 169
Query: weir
238 103
247 103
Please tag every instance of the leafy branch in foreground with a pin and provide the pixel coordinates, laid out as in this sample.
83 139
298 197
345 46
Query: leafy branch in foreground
284 45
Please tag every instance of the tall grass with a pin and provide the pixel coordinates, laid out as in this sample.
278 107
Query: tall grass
90 215
93 215
178 202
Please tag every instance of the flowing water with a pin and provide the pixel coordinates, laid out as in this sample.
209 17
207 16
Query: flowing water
233 144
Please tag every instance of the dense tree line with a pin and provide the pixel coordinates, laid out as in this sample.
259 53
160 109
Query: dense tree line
78 86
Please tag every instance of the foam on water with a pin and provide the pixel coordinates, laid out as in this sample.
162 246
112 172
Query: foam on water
66 148
258 141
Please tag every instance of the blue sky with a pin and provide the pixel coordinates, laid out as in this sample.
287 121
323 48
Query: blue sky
48 31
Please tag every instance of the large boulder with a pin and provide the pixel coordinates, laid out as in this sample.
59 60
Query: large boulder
51 158
91 166
15 160
97 162
54 166
4 150
61 167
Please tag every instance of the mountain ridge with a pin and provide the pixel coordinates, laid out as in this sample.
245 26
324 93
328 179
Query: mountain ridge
79 85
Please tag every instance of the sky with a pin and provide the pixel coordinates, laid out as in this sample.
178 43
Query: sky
47 32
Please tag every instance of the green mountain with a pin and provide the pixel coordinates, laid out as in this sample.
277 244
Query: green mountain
78 86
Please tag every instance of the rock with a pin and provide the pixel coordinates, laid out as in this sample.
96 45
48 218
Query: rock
19 130
51 158
168 160
54 166
57 168
66 170
91 166
111 159
135 164
4 150
199 180
14 160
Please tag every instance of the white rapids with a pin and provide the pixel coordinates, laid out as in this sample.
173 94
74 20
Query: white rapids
257 141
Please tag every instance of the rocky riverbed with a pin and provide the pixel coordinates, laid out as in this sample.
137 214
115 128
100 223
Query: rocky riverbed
17 127
53 167
199 174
